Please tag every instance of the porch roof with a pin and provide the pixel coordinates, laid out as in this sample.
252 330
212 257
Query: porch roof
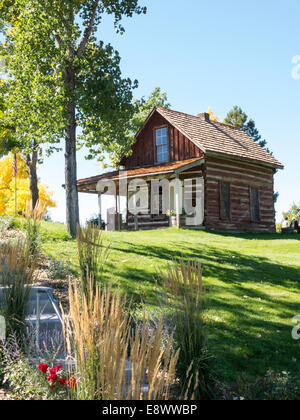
140 172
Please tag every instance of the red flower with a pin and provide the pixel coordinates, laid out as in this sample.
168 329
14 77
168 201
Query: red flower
52 378
52 386
43 367
72 382
62 382
53 371
58 367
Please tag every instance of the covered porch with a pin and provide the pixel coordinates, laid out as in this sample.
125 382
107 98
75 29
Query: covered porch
156 197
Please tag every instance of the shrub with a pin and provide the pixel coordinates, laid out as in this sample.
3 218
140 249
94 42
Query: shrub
274 386
16 223
6 223
281 386
92 257
94 221
185 294
22 366
23 381
24 378
58 270
99 335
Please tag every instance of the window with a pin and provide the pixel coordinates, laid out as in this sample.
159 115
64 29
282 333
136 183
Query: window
224 200
254 205
161 141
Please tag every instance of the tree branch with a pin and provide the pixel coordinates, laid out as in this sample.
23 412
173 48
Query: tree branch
59 41
88 31
61 44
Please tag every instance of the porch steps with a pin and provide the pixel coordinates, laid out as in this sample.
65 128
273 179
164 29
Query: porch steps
147 222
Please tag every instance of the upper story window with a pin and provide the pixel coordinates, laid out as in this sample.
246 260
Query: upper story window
161 141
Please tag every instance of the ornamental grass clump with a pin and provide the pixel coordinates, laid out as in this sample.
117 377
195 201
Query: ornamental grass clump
33 217
188 298
16 277
92 257
114 361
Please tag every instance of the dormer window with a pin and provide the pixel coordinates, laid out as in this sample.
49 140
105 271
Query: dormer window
161 141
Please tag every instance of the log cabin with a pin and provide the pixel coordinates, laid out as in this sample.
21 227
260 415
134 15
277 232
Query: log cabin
233 175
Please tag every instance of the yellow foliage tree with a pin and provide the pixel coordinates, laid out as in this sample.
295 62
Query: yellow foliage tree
7 188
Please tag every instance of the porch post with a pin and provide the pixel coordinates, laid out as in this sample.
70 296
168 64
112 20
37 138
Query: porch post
119 210
177 199
116 211
127 206
100 210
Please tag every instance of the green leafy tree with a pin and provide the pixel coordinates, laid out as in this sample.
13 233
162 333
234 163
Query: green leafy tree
63 77
238 118
253 132
294 211
142 107
145 105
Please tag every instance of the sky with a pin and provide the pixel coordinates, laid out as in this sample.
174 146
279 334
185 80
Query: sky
210 54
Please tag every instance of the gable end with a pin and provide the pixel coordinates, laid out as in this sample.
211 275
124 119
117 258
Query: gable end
144 153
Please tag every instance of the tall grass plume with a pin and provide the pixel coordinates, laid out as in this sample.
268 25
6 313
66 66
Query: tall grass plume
33 217
114 361
16 277
92 256
186 295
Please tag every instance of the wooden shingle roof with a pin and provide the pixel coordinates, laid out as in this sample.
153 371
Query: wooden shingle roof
217 138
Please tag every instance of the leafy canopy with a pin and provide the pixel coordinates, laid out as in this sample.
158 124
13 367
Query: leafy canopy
45 41
142 108
8 141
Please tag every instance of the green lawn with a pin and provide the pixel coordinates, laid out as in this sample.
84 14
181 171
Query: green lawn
255 283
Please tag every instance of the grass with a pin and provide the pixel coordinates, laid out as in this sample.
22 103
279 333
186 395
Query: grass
255 282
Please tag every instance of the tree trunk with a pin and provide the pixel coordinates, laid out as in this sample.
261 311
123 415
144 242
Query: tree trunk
72 206
32 170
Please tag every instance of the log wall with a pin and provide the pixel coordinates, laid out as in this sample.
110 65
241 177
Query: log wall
241 176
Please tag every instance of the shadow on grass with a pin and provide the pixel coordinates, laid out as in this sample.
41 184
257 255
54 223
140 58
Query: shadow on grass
258 236
255 335
227 266
248 236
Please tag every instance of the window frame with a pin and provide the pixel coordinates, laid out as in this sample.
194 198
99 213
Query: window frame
228 216
156 146
253 220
